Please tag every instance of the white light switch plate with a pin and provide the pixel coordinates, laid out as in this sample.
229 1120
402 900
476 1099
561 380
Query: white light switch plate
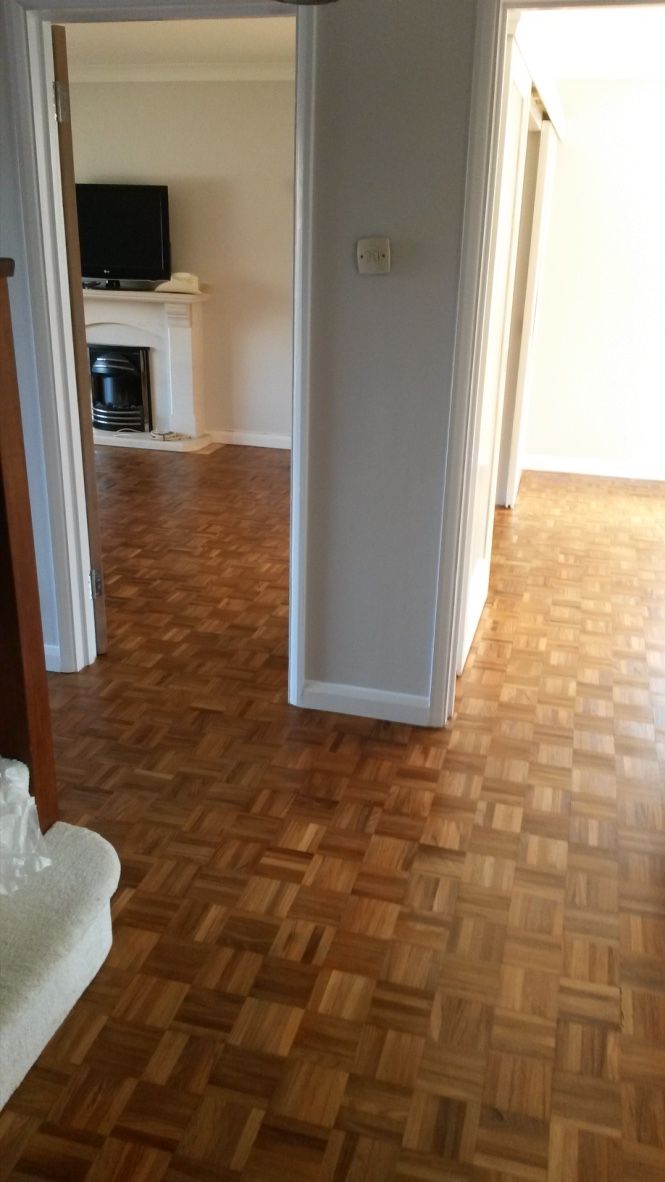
373 255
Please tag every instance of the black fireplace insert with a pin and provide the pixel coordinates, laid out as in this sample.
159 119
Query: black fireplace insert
120 377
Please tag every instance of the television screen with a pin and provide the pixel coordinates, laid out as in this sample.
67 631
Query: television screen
124 231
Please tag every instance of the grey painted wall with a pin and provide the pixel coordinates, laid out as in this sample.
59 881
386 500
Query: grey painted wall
392 113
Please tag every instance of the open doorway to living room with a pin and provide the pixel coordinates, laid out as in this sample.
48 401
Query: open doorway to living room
183 160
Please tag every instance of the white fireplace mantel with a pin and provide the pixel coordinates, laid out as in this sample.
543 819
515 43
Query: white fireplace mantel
170 325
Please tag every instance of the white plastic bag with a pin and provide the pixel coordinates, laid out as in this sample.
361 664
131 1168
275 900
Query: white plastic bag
22 846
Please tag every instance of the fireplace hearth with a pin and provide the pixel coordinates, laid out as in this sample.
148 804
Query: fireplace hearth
120 378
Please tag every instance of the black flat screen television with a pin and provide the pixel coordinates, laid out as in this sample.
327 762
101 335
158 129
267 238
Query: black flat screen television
124 232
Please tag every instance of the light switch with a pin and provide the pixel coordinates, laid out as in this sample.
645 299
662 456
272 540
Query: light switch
373 255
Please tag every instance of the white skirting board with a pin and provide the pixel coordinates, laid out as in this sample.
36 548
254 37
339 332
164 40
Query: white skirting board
367 703
52 658
584 466
251 439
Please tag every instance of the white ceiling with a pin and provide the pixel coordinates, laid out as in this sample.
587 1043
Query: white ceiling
262 47
620 43
607 43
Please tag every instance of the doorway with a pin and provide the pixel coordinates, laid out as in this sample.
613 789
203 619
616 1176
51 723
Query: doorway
76 561
509 421
187 125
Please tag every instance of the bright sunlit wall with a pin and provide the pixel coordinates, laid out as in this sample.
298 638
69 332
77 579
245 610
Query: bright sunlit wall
598 394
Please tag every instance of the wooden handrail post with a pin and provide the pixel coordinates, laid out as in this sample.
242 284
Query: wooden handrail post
25 717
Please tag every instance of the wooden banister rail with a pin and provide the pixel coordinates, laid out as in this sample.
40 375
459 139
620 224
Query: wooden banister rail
25 718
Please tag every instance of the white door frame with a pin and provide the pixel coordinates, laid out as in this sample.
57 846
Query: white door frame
29 49
491 31
542 202
495 344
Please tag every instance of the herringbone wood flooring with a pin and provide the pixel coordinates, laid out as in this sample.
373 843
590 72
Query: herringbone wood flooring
347 950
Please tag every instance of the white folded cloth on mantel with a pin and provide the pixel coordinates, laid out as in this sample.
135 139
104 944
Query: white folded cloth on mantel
183 282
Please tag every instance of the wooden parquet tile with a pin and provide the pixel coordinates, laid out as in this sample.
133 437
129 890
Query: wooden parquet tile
351 951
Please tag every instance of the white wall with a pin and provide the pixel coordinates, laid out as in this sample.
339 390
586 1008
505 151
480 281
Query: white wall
598 395
391 129
225 149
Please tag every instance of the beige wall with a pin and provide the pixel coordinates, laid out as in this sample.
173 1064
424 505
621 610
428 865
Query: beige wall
598 396
225 149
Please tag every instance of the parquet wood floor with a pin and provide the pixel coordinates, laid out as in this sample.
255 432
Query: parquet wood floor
354 951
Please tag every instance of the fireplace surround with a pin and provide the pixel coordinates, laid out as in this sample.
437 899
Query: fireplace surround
169 326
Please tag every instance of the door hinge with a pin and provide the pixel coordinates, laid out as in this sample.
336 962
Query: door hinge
61 102
96 583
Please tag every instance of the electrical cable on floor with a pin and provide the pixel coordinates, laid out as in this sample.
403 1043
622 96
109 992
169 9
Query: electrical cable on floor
169 436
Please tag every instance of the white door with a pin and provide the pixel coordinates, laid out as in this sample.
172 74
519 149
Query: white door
541 217
494 347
